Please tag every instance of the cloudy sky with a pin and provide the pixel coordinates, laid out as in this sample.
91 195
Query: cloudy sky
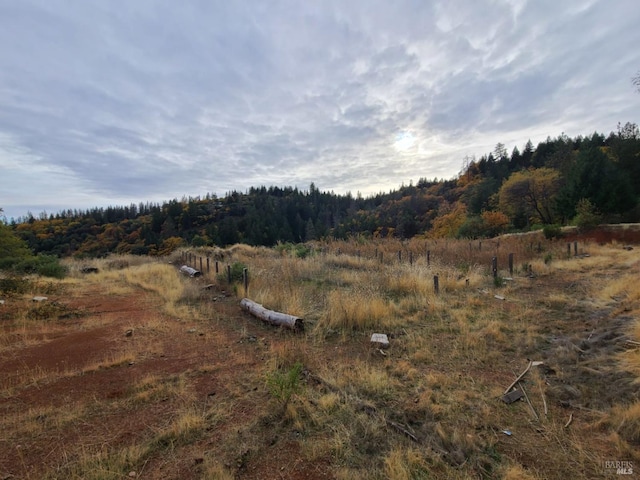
113 102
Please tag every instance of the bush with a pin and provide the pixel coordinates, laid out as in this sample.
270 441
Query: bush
237 269
587 215
282 385
45 265
552 231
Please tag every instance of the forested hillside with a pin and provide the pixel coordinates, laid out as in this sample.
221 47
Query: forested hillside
582 180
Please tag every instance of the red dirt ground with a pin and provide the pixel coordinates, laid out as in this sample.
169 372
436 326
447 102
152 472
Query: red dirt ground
214 357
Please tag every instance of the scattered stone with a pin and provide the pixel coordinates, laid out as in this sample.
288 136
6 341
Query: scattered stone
133 474
128 333
627 247
512 396
192 330
39 299
1 302
88 269
498 297
380 340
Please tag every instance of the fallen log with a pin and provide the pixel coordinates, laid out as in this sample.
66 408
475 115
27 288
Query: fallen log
272 317
192 272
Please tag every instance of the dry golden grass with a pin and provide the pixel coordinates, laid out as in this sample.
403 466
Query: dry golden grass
451 356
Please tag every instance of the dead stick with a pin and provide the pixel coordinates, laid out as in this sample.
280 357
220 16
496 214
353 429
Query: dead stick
526 397
566 425
518 379
544 400
401 429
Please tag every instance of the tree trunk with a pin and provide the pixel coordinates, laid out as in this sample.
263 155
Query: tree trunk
274 318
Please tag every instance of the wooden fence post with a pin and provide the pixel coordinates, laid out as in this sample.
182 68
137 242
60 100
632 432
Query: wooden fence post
207 264
569 250
428 257
575 249
245 280
200 263
217 269
436 284
410 258
399 255
229 274
511 264
494 266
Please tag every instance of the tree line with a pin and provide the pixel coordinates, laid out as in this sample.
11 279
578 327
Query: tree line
582 180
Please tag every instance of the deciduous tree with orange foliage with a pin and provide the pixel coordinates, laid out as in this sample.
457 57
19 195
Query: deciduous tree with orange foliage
533 192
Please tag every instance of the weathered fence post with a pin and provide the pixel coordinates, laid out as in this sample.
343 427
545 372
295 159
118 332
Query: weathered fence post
511 264
436 284
208 265
399 255
217 269
229 274
245 280
200 263
428 257
494 266
410 258
575 249
568 250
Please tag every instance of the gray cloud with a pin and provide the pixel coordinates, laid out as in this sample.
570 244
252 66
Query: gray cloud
104 103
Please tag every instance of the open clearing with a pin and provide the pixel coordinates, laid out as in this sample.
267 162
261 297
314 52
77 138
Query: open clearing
139 372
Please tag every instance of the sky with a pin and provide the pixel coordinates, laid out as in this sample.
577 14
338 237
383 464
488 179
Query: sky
118 102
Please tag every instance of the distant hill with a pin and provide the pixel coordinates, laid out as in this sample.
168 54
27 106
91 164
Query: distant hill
563 180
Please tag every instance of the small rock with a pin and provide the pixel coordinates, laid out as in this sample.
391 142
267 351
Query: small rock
192 330
380 340
39 299
512 396
133 474
128 333
1 302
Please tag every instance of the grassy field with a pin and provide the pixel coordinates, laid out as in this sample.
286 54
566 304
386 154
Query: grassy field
169 379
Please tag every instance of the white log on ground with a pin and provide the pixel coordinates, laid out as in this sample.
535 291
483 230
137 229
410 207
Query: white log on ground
272 317
192 272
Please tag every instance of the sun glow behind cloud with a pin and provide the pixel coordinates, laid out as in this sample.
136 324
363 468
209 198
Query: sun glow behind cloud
404 141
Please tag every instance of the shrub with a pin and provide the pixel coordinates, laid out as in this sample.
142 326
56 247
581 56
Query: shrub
282 385
45 265
552 231
587 216
236 272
